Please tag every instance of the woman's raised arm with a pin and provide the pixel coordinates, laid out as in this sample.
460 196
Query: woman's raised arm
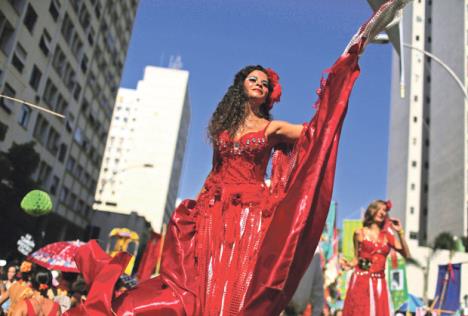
283 132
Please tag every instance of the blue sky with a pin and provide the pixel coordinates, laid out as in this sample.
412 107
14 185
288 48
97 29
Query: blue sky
297 38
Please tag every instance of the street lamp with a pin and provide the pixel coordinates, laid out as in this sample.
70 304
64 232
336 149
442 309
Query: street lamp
384 39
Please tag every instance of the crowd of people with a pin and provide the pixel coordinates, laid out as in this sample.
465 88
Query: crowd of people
29 289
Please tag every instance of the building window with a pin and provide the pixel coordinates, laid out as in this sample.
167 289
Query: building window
3 131
61 105
413 186
415 119
53 141
6 104
414 163
81 206
44 174
44 43
91 35
64 194
30 18
62 152
79 171
18 5
84 64
59 61
67 29
76 46
84 18
54 9
72 201
76 91
70 164
24 116
54 185
413 235
35 79
6 35
40 129
50 93
417 37
19 58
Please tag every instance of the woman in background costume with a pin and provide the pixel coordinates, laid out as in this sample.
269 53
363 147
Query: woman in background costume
242 247
367 292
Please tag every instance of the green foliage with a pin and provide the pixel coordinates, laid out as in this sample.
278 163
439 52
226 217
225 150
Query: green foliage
464 240
444 240
16 168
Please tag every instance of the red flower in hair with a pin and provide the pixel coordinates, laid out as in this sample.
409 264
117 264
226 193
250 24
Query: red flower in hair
275 94
389 205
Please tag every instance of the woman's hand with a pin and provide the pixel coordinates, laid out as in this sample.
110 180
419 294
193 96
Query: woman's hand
347 265
396 225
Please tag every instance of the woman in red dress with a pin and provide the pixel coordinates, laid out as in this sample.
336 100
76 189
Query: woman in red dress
367 292
242 247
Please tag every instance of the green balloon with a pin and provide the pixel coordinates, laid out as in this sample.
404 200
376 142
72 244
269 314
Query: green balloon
36 203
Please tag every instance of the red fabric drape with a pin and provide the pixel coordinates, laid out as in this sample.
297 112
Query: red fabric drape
150 257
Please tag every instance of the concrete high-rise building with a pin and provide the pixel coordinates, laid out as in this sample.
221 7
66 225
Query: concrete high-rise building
145 147
427 168
68 56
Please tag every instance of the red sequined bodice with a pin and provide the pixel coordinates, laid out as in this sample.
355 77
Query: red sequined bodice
244 160
376 251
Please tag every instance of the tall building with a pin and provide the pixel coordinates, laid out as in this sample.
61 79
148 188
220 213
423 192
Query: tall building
68 56
145 147
427 167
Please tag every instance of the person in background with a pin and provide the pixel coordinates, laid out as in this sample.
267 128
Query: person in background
367 290
5 286
38 303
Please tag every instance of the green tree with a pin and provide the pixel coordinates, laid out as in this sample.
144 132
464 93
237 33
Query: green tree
445 241
16 169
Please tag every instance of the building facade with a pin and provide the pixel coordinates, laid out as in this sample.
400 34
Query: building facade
145 147
66 56
427 167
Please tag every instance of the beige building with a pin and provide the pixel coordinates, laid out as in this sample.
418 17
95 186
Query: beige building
68 56
145 147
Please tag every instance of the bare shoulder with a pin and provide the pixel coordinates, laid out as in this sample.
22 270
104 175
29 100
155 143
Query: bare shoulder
359 234
19 309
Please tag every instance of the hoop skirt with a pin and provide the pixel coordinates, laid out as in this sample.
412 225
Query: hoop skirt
367 292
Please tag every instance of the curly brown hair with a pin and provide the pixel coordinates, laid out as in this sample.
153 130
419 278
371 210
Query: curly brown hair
231 111
370 212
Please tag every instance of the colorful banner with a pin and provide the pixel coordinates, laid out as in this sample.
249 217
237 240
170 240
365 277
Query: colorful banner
397 283
328 233
447 295
349 227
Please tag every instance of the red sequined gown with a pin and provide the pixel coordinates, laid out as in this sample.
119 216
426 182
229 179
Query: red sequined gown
367 293
233 217
241 248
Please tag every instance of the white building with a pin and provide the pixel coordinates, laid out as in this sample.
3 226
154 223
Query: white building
428 162
428 146
145 147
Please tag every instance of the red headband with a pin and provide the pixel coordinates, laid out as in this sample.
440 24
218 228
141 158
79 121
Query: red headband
275 94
